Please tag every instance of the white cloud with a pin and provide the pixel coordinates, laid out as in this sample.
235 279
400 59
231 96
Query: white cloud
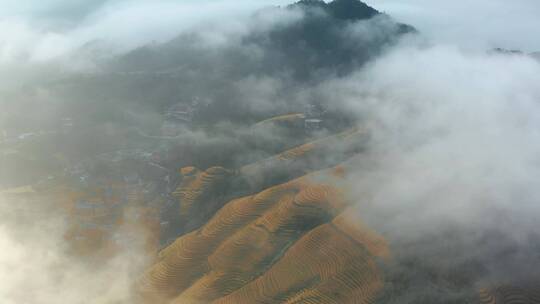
35 266
124 24
456 139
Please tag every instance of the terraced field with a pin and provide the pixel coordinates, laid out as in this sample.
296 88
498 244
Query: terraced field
195 184
278 246
287 118
315 155
506 294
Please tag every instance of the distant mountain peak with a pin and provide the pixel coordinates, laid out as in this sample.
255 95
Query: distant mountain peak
351 9
342 9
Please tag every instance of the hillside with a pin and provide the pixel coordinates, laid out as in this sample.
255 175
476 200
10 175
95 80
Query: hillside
202 193
273 247
319 152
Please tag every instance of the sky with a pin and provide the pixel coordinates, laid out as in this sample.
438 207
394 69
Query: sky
471 24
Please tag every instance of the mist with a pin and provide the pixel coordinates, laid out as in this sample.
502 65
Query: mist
450 117
36 265
36 32
449 176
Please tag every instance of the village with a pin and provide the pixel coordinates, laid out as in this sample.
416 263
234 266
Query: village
120 197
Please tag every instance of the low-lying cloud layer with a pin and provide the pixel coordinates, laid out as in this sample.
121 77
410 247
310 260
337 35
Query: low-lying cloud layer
36 32
454 119
450 176
36 266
